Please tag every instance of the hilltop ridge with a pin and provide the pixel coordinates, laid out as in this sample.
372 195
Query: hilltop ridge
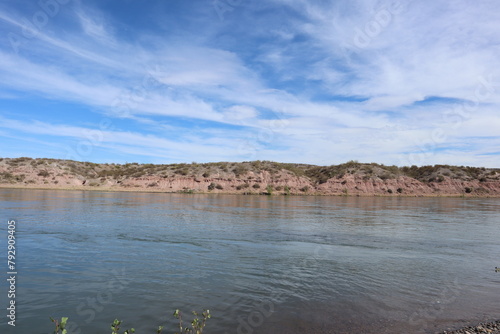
253 177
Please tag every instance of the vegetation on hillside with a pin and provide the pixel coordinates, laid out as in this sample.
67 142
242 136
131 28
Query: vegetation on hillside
249 175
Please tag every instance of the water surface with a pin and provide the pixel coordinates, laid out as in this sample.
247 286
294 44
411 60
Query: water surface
261 264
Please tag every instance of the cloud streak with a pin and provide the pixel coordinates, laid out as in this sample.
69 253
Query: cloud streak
285 80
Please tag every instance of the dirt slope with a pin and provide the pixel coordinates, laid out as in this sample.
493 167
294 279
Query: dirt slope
255 177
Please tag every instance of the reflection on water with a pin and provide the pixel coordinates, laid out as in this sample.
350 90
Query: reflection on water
261 264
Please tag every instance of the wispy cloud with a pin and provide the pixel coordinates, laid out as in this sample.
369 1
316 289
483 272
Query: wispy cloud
286 80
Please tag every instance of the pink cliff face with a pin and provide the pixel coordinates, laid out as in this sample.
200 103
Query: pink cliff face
59 174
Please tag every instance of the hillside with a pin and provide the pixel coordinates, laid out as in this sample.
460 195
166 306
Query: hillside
255 177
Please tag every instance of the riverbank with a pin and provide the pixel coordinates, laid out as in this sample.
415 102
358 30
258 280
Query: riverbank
488 327
183 191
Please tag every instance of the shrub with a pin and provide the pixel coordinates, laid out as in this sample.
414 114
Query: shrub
183 171
256 186
6 175
385 176
468 190
239 170
389 191
211 186
242 186
304 188
206 174
43 173
287 190
399 190
218 186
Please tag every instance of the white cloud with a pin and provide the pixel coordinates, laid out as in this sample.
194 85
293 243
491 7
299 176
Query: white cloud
294 75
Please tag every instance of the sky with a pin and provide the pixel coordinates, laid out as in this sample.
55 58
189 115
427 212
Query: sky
305 81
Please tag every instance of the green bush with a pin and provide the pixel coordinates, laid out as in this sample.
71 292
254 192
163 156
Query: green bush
287 190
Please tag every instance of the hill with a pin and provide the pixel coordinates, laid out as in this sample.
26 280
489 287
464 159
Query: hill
253 177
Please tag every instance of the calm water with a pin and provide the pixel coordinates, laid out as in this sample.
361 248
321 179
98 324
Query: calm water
260 264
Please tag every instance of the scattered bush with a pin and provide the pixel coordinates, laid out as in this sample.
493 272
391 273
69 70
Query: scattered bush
240 170
6 175
183 171
213 186
256 186
287 190
242 186
385 176
44 173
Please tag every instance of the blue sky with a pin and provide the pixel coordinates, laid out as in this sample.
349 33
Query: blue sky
321 82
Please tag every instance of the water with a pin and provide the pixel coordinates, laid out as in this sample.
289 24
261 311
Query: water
260 264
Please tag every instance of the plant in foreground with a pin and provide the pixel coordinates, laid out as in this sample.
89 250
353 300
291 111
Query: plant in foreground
60 325
197 324
115 327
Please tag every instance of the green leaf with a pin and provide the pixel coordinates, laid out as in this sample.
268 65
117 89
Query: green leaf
64 331
63 322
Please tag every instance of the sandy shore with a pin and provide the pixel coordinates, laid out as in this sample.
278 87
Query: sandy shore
164 191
